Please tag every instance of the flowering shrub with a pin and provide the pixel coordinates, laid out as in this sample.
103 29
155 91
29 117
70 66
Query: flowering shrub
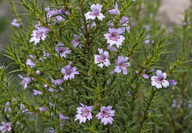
95 66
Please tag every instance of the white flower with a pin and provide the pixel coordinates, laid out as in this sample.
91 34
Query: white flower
159 80
102 59
96 12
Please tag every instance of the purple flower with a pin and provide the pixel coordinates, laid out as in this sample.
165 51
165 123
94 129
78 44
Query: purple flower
106 115
30 63
96 12
136 72
76 41
38 72
114 37
52 90
147 41
111 48
39 34
69 72
172 82
115 11
42 109
102 59
124 21
22 108
36 92
25 81
56 82
16 23
159 80
83 113
7 107
62 50
5 127
62 118
52 130
145 76
122 65
151 70
176 104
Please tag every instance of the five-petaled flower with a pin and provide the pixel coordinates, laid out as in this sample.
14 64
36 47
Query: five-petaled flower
83 113
96 13
122 65
159 80
5 127
62 50
106 115
25 81
39 34
69 72
102 59
114 37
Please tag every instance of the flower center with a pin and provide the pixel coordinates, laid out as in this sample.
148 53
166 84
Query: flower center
68 71
114 36
105 114
95 12
102 58
62 50
85 112
159 79
39 34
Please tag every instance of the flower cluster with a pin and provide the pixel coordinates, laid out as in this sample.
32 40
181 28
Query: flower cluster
84 113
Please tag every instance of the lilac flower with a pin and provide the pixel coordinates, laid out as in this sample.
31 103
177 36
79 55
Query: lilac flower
96 12
114 37
159 80
115 11
30 63
111 48
56 82
83 113
69 72
102 59
45 85
38 72
175 104
136 72
51 13
62 50
151 70
7 107
39 34
22 108
59 18
36 92
172 82
145 76
106 115
52 90
76 41
16 23
64 11
124 21
42 109
25 81
147 41
5 127
122 65
52 130
62 118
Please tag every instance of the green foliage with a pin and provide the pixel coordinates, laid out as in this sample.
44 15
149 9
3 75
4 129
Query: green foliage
138 106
